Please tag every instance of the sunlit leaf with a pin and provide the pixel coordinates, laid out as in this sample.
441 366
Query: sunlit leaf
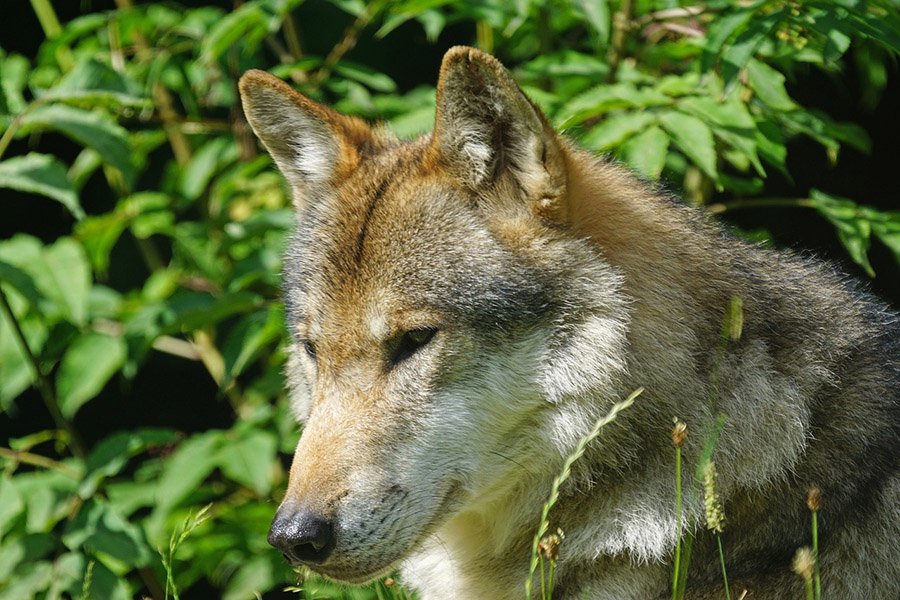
646 152
89 128
86 367
694 138
41 174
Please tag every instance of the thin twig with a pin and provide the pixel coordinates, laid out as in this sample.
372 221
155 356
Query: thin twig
721 207
674 13
292 36
43 9
36 460
164 102
42 382
621 25
347 43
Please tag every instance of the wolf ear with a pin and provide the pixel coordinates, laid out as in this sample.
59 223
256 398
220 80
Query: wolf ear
485 125
311 144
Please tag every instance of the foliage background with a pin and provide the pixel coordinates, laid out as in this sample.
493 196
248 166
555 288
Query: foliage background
142 227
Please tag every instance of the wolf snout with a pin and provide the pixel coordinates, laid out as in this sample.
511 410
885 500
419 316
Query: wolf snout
302 535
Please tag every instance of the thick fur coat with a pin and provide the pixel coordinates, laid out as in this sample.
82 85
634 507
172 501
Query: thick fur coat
463 307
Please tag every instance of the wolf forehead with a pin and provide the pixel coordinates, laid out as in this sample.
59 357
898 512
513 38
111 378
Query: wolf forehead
394 232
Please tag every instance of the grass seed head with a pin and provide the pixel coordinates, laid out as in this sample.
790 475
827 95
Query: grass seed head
549 545
804 563
715 514
679 433
814 499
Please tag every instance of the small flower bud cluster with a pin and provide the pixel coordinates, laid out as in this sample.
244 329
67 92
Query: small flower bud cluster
549 545
679 433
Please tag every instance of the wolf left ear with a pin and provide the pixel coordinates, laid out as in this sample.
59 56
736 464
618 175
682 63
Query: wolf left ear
311 144
485 125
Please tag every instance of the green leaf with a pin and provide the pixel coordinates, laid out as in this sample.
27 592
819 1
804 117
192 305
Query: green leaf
769 86
249 337
88 364
605 98
694 138
771 146
48 496
26 549
112 454
99 235
615 129
16 372
249 23
888 232
21 281
213 156
89 128
738 54
64 276
41 174
248 459
30 579
13 77
195 310
853 230
597 14
94 84
366 76
720 30
836 44
11 503
252 579
187 468
646 153
98 527
731 123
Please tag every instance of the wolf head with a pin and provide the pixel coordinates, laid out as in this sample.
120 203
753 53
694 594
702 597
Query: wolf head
440 312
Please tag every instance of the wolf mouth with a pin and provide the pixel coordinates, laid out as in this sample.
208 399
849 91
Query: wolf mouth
350 575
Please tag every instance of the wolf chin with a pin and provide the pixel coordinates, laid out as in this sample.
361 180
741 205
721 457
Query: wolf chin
462 307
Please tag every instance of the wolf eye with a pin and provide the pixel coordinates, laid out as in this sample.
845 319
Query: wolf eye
410 342
309 348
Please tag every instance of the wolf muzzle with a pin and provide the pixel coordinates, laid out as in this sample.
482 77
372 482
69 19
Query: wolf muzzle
302 535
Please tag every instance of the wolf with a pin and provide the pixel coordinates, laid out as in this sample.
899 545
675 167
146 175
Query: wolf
463 306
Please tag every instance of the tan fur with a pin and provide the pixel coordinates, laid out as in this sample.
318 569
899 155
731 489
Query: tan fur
555 283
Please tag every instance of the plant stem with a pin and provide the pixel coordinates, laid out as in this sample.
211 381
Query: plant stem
621 24
543 580
721 207
687 548
815 548
722 561
678 508
50 24
292 37
484 36
550 580
347 42
42 382
564 475
181 148
809 591
36 460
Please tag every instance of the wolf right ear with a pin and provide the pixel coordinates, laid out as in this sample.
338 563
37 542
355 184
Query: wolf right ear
311 144
485 126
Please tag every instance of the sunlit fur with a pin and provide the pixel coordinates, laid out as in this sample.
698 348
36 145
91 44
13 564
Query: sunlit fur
558 283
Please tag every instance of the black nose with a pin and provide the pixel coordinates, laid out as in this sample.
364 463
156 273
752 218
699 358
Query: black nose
302 535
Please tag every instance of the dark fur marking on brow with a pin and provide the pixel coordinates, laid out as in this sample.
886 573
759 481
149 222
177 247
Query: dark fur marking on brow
360 240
